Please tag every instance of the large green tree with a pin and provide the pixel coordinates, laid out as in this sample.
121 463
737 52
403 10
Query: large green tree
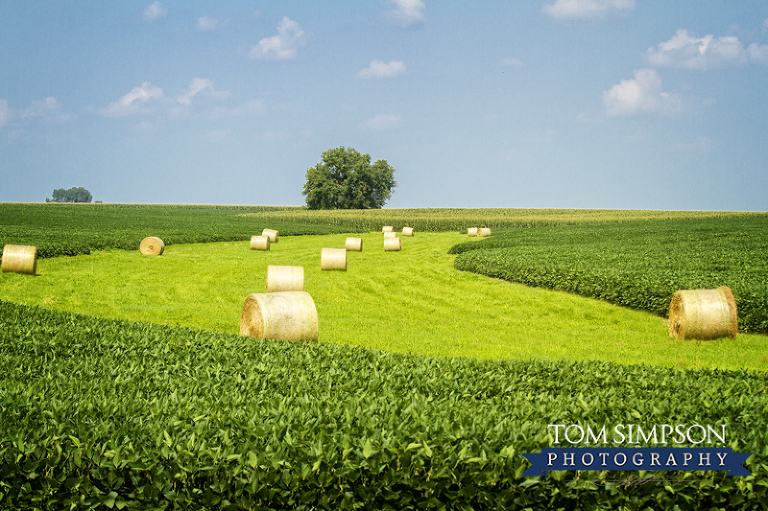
346 179
78 194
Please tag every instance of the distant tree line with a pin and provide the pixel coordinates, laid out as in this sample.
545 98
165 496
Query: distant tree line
78 194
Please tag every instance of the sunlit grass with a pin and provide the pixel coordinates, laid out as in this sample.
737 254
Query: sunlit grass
412 301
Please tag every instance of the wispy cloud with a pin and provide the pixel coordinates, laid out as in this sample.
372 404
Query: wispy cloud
583 9
5 112
382 121
686 51
406 12
154 12
131 103
511 62
47 110
380 69
642 94
283 46
206 24
197 86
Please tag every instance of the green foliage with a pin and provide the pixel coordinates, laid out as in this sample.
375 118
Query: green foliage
78 194
345 179
636 264
69 229
114 414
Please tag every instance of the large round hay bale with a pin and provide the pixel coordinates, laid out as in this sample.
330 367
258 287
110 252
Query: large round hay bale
333 259
274 236
286 315
407 231
392 244
260 242
152 246
482 232
390 234
703 314
354 244
472 232
285 278
387 228
19 259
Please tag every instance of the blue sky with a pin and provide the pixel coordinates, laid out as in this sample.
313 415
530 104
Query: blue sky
627 104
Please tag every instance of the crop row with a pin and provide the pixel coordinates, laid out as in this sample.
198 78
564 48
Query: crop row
134 415
636 264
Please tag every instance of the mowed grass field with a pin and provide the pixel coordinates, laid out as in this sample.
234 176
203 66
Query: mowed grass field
412 301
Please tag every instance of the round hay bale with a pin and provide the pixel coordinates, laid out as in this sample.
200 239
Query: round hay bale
392 244
387 228
333 259
472 232
19 259
407 231
703 314
354 244
259 242
274 236
390 234
285 278
286 315
152 246
482 232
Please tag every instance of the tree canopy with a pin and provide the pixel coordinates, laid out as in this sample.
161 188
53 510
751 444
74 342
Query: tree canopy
346 179
78 194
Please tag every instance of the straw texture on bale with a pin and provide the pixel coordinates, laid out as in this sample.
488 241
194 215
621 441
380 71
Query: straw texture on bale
19 259
260 242
392 244
407 231
703 314
483 232
387 228
285 278
472 232
274 236
287 315
333 259
354 244
390 234
152 246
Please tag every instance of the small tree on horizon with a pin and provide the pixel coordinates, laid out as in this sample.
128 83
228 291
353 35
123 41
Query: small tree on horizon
346 179
78 194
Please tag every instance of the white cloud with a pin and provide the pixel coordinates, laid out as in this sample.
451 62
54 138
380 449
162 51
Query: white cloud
511 62
283 46
643 94
197 86
580 9
406 12
700 53
5 112
379 69
131 102
154 12
206 23
382 121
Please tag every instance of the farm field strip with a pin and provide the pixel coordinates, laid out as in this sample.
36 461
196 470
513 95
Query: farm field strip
412 301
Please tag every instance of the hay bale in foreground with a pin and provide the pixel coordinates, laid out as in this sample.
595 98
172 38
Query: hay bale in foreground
19 259
472 232
703 314
260 242
285 278
286 315
354 244
482 232
333 259
392 244
387 228
407 231
152 246
274 236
